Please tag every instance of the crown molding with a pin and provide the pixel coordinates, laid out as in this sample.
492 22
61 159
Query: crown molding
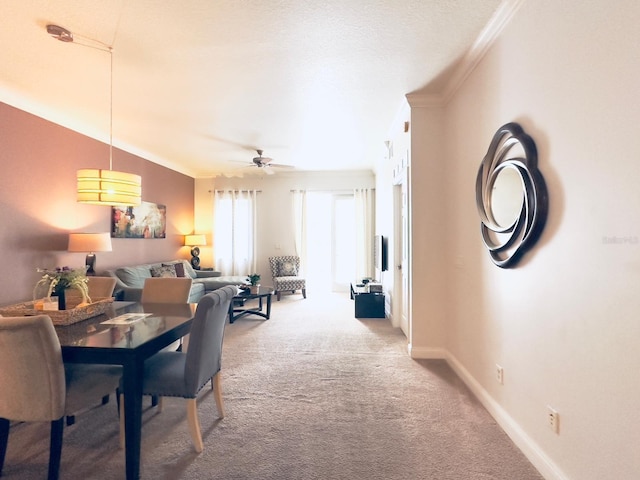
500 19
483 43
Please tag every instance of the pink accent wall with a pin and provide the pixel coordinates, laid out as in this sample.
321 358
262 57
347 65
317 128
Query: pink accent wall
38 208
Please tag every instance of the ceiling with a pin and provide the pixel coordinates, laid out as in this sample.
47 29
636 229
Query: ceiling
199 85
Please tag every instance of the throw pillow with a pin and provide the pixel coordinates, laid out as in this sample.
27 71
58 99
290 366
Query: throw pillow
165 271
188 269
287 269
178 266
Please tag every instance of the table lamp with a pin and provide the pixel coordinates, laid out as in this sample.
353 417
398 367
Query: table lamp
90 243
195 241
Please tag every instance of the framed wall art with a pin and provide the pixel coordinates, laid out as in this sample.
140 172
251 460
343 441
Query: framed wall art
148 220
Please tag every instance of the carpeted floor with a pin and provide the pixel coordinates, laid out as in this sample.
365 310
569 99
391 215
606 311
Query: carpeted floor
312 393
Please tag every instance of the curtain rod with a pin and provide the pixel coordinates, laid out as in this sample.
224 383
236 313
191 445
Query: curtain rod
233 190
322 190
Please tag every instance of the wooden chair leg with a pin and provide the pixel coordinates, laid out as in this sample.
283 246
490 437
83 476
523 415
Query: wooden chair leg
217 394
194 424
4 440
304 293
278 296
55 449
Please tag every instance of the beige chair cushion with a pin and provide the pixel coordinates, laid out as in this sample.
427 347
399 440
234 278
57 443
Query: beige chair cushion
166 290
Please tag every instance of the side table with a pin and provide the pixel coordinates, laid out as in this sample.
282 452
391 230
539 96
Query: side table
367 304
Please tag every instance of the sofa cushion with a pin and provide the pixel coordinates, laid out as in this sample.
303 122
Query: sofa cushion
134 276
213 283
188 270
196 293
163 271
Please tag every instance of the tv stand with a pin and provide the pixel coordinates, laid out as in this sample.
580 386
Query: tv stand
367 304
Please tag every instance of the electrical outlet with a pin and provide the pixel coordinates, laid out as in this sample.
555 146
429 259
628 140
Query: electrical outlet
499 374
553 419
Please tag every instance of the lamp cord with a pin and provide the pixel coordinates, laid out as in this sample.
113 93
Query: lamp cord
111 109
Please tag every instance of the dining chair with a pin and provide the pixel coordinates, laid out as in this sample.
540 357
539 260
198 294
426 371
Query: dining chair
38 387
98 288
167 290
180 374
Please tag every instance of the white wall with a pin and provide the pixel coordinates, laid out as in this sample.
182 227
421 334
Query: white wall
564 324
275 218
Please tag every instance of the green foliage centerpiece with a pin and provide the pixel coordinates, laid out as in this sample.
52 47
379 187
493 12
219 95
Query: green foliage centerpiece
59 280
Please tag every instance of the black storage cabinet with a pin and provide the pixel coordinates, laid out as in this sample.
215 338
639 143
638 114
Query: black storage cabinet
367 305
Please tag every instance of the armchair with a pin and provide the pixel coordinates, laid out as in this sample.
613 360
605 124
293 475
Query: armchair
285 272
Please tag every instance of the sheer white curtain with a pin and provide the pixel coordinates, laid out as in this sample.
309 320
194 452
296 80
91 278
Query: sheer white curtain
364 221
299 203
234 232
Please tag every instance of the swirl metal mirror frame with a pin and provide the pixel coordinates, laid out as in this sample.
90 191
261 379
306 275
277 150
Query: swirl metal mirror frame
511 148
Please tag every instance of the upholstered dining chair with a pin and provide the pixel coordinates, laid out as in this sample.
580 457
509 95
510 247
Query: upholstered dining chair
168 290
180 374
98 288
285 272
38 387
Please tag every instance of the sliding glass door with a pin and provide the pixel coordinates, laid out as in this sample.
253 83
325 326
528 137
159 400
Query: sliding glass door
331 239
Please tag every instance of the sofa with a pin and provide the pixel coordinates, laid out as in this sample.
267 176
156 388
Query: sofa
130 279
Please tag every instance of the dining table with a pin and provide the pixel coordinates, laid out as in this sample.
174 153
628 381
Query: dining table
127 334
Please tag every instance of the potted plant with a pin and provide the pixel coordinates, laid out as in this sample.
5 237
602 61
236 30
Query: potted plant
57 281
254 278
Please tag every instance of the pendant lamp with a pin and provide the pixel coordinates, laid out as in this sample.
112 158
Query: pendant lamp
99 186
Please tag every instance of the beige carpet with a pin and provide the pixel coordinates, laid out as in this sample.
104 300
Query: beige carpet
312 393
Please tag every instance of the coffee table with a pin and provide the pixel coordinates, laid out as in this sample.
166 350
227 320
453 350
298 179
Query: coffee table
245 295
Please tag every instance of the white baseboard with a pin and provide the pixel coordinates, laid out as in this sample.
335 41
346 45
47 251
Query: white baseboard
427 353
547 468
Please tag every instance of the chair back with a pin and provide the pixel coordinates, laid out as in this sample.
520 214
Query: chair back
204 355
166 290
31 373
101 287
98 287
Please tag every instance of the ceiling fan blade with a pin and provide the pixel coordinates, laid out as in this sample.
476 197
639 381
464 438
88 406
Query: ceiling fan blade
268 170
281 165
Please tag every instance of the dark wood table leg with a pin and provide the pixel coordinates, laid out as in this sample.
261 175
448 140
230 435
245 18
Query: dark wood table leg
132 375
268 307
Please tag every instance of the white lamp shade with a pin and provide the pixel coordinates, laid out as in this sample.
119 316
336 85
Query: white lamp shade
89 242
195 240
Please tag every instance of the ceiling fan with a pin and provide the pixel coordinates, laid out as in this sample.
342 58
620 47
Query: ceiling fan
265 163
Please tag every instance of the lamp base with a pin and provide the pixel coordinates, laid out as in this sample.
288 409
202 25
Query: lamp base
195 262
90 262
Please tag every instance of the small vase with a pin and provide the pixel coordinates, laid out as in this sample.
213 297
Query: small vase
62 301
254 289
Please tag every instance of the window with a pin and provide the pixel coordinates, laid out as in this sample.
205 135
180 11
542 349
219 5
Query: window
234 231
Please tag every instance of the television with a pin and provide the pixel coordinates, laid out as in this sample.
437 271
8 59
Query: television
380 253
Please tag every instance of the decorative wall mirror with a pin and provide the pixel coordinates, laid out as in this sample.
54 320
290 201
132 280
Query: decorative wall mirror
511 195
